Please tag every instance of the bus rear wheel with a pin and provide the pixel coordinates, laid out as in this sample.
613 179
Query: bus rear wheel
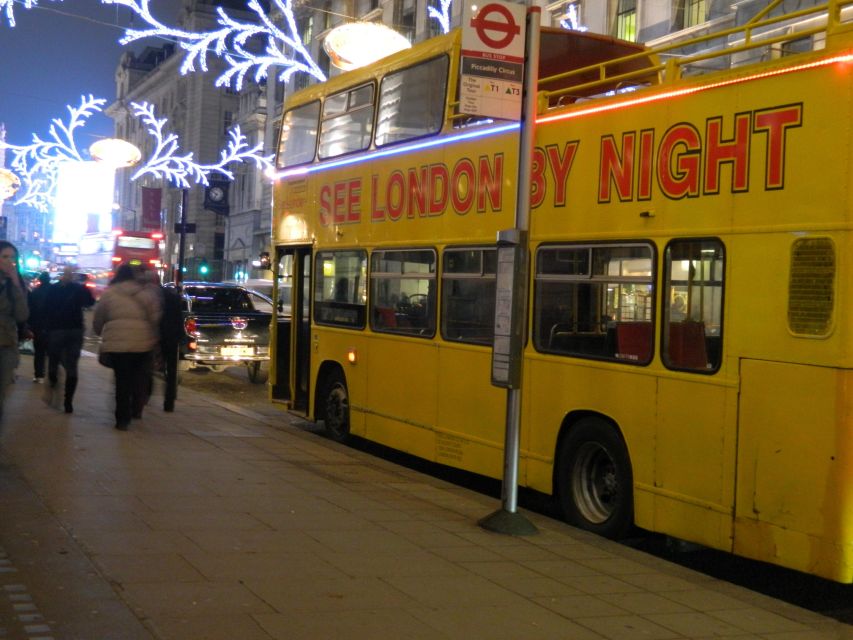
336 408
594 480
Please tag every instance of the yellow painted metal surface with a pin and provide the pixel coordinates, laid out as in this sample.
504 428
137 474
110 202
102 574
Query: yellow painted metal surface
754 457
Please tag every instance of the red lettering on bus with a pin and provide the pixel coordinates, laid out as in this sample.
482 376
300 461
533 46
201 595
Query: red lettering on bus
561 166
489 183
645 165
395 195
679 161
463 184
616 167
340 200
538 187
417 189
354 197
438 189
734 151
775 123
377 211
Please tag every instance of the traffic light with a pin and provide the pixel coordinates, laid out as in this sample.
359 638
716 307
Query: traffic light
203 269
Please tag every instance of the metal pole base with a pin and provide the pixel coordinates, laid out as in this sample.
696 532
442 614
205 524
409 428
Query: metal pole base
513 524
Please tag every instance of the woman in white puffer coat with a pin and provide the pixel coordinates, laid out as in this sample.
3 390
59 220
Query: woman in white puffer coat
127 317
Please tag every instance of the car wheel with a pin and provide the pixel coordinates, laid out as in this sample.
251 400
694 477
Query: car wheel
256 373
336 408
594 479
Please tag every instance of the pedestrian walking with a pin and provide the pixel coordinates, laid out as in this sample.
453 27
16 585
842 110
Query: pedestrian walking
13 313
38 325
127 317
65 303
171 332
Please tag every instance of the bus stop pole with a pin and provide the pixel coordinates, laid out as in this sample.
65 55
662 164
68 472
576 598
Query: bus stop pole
507 519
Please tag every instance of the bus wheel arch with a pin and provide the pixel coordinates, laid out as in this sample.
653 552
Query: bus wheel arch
332 401
593 476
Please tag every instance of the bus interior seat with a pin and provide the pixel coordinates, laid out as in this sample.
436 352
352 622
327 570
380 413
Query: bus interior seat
686 347
385 317
634 341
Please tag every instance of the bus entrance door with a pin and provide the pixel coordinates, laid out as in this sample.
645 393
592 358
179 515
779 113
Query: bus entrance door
292 361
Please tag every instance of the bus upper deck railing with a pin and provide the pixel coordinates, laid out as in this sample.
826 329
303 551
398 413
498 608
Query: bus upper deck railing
671 70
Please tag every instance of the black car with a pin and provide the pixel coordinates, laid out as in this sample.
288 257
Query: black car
225 325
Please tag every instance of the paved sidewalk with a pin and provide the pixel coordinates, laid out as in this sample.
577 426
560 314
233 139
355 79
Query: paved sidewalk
220 523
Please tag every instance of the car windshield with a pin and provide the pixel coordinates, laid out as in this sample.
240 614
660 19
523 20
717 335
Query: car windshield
214 299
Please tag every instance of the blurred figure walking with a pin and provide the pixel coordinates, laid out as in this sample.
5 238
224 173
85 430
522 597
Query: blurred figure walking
13 312
65 303
171 332
38 325
127 318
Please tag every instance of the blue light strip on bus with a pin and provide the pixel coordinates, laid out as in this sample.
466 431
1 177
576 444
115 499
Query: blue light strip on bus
373 155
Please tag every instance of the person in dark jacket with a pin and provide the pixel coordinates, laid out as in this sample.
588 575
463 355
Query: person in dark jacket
13 312
38 325
65 303
171 332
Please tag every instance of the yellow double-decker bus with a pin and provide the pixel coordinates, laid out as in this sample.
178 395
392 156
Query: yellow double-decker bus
688 360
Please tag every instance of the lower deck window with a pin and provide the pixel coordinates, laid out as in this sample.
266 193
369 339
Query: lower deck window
468 295
340 288
402 291
595 301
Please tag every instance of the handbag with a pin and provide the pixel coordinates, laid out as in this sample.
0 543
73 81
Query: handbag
106 358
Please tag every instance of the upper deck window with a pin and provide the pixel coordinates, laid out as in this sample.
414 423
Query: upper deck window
299 135
411 102
347 122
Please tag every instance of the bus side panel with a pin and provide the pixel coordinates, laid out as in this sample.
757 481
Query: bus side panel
694 459
402 383
333 345
471 411
627 400
795 468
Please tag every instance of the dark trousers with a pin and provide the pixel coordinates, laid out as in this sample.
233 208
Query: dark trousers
170 374
63 348
132 373
40 342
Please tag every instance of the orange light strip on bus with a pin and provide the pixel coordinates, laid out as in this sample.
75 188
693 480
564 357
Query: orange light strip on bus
847 57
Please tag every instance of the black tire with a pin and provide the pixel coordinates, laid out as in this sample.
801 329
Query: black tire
256 373
594 480
336 408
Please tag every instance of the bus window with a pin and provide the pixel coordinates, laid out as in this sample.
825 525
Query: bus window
693 305
347 122
411 102
595 301
468 295
299 135
402 291
285 284
340 288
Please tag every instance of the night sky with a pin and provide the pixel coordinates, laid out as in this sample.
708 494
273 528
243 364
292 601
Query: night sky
57 52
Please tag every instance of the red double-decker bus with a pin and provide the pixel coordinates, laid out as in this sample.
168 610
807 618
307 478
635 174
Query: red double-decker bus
137 248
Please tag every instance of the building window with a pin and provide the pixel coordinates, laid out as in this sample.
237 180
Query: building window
695 12
404 18
567 14
625 20
227 121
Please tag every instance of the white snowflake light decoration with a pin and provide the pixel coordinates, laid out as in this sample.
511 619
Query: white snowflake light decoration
37 163
443 16
168 163
7 8
235 42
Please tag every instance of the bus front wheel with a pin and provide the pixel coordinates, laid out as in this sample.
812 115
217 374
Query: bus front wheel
336 408
594 479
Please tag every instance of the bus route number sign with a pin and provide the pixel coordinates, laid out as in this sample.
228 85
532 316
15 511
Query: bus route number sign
492 66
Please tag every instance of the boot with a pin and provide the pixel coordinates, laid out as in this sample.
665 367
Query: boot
70 387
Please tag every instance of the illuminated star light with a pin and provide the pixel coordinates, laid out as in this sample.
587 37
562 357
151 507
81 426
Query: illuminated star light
37 163
167 163
232 42
442 16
